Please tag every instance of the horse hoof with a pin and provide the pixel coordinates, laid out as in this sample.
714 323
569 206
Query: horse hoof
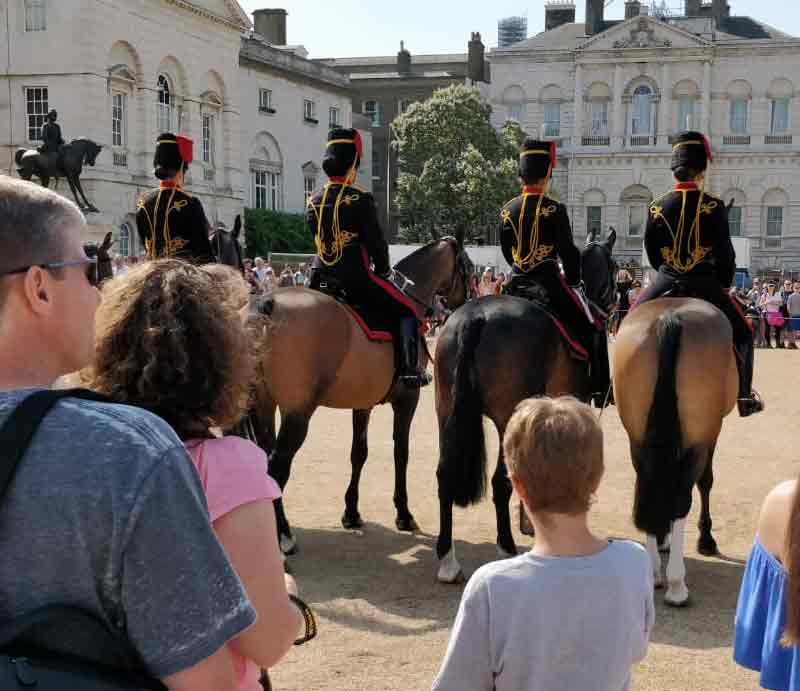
450 571
352 522
503 553
658 581
406 524
677 596
707 547
288 545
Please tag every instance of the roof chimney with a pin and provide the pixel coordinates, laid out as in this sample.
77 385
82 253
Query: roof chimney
403 60
476 59
594 16
693 8
720 10
558 12
633 8
271 24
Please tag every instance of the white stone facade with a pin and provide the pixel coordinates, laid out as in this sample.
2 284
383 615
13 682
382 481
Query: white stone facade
613 101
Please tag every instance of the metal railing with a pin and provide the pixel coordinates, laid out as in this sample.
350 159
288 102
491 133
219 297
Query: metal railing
596 141
778 139
641 140
121 159
736 140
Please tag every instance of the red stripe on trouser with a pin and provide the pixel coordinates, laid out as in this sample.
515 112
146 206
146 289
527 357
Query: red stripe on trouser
571 293
740 311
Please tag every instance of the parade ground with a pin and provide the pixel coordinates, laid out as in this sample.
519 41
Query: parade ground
384 621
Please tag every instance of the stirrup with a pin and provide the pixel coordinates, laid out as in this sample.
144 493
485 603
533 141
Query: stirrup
415 380
751 405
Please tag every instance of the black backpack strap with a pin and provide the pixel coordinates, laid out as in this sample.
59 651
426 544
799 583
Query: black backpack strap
18 430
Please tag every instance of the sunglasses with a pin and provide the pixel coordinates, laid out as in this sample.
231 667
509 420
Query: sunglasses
89 262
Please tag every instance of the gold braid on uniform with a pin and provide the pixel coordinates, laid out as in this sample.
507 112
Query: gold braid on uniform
331 253
535 253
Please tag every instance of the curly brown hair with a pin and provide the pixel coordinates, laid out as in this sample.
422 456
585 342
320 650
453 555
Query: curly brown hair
171 339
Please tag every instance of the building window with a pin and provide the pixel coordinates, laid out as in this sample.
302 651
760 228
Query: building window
125 240
774 227
309 185
265 101
735 221
372 109
403 104
334 117
35 15
594 221
36 108
641 112
779 122
686 113
516 112
164 105
600 119
266 190
552 119
637 215
208 139
739 116
309 111
118 116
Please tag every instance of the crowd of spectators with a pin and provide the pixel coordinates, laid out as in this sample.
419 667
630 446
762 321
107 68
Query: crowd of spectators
774 311
263 278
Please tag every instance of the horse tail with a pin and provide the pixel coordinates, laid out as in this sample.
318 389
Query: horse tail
660 462
462 469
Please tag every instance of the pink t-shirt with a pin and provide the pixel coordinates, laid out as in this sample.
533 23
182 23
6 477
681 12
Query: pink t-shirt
233 472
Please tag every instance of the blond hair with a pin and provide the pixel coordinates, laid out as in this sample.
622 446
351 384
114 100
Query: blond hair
554 449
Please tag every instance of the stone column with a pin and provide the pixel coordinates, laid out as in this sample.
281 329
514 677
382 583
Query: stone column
666 102
707 99
577 132
619 109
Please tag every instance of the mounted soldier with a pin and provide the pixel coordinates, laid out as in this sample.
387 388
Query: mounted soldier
688 242
349 238
171 222
535 234
53 145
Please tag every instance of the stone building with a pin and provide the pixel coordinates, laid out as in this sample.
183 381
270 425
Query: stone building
383 87
613 93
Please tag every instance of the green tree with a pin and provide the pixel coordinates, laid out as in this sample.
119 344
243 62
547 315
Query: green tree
271 231
456 169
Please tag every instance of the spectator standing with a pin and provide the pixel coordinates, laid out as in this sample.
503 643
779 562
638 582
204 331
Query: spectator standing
146 372
251 278
576 611
773 306
499 283
260 269
287 277
487 283
300 276
793 307
100 545
269 283
634 292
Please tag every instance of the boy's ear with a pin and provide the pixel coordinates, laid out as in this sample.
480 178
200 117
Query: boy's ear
519 489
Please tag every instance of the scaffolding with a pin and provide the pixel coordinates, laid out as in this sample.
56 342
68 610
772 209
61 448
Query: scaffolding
511 30
666 9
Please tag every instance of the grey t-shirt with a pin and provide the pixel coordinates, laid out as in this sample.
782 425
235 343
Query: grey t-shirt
544 623
106 512
793 304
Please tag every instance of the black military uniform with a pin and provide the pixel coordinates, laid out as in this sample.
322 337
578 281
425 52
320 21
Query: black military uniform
688 242
535 233
51 136
348 236
170 221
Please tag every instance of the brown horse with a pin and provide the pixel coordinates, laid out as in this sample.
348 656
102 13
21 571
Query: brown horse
674 382
494 353
319 356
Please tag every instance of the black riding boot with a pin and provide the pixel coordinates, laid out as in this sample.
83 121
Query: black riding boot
410 374
601 372
749 401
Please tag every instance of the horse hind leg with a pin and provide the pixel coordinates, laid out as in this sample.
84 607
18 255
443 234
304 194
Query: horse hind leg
404 409
501 495
677 593
450 570
706 544
351 519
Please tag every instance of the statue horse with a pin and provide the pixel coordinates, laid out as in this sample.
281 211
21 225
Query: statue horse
75 154
225 245
492 354
318 355
105 268
674 381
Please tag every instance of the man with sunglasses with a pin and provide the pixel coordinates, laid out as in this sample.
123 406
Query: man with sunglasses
105 511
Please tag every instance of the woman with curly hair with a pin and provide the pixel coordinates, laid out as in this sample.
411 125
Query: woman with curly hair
171 339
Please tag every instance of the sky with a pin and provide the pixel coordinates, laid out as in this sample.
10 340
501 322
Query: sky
375 27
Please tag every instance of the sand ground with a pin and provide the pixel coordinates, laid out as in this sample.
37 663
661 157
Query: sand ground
384 620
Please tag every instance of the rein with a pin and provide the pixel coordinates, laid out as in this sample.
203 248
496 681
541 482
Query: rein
459 270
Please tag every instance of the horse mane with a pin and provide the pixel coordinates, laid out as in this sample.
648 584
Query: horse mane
421 252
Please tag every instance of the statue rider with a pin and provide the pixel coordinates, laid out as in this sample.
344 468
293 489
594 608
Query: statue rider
350 242
53 142
688 241
535 234
171 221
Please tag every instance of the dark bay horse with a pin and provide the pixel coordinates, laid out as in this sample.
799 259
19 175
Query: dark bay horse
494 353
77 153
675 381
225 245
317 355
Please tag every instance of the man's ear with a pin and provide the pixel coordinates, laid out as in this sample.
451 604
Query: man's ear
38 289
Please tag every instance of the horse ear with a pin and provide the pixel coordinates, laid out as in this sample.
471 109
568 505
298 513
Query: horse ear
460 234
612 238
237 226
108 241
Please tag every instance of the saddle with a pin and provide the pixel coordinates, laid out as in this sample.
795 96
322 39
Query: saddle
528 289
376 327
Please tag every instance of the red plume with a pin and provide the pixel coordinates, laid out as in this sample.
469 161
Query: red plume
553 157
359 145
185 148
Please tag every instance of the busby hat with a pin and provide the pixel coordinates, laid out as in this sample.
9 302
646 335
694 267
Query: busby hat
536 159
691 150
343 152
173 152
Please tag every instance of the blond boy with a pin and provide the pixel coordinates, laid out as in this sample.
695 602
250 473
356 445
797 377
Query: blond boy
576 611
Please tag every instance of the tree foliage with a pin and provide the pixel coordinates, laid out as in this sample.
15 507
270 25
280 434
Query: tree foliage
272 231
456 169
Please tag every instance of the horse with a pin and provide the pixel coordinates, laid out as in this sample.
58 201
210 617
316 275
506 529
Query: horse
318 355
225 245
675 380
493 353
75 154
105 269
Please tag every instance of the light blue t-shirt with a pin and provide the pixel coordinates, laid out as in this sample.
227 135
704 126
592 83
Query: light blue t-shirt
536 623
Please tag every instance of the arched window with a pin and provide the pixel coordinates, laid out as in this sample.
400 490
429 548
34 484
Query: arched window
636 202
127 240
165 103
774 218
641 111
